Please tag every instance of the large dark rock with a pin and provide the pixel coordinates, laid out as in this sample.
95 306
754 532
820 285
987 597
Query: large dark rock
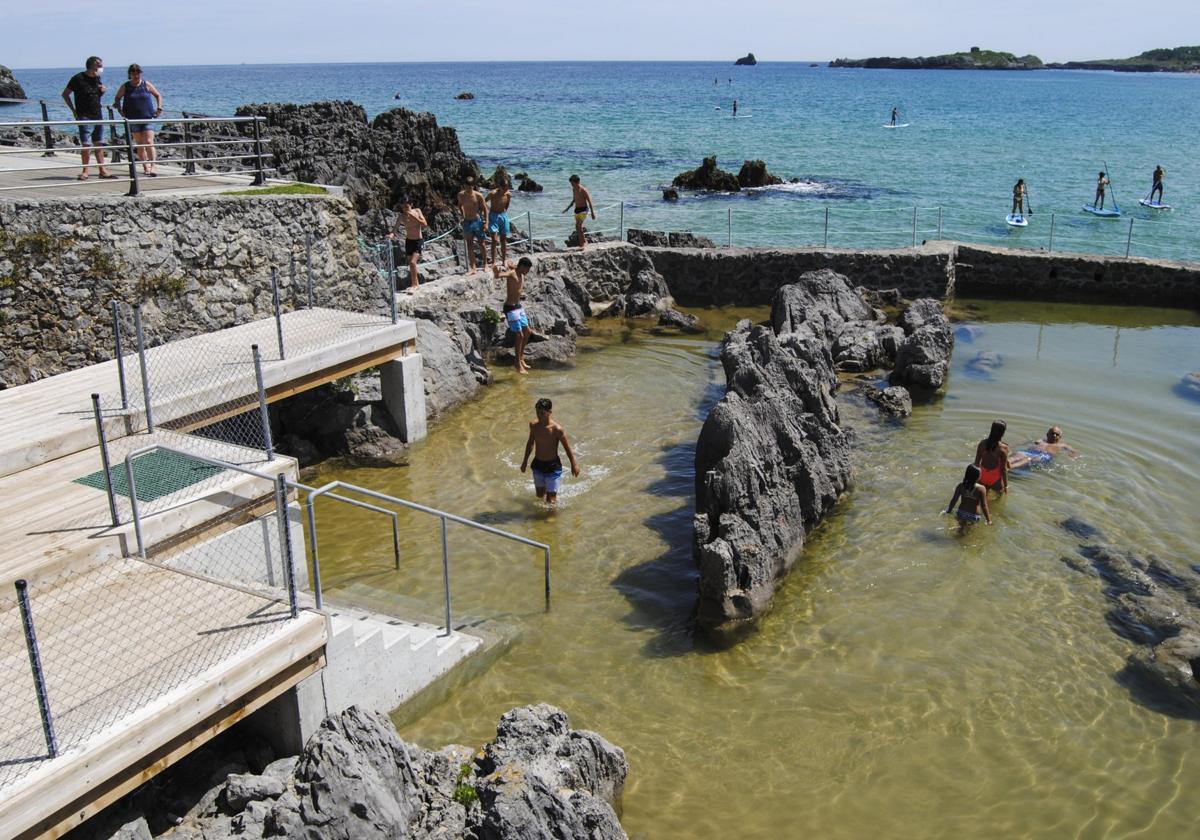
330 421
754 174
673 319
527 184
465 95
667 239
894 401
10 88
771 460
647 294
707 177
923 357
670 194
356 778
747 60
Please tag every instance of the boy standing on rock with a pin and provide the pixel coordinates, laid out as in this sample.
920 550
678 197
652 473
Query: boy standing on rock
475 219
581 200
514 314
412 220
544 437
498 201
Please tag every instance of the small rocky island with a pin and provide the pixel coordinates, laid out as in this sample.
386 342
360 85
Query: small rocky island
10 88
974 59
748 60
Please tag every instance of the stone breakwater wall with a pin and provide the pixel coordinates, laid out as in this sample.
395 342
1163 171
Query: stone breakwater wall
750 276
1087 278
196 264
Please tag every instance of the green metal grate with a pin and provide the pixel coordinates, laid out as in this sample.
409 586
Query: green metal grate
156 474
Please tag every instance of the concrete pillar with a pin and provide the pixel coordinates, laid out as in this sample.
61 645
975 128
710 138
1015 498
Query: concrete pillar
403 389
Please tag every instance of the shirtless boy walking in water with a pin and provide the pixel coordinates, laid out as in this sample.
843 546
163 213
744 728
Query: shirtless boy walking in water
514 313
581 200
544 437
475 220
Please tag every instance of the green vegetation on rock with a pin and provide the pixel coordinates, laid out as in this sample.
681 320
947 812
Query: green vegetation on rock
1163 60
973 59
284 189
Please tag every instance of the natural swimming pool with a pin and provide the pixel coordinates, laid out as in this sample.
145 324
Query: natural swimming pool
907 680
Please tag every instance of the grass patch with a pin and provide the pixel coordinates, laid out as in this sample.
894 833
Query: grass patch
284 189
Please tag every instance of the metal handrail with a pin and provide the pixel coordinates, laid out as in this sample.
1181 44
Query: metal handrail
327 491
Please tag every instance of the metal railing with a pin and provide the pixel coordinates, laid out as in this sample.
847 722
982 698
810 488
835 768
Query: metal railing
254 158
283 484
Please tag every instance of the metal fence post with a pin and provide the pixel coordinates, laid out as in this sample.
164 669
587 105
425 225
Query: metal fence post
104 462
260 176
546 565
141 345
116 313
454 251
621 224
35 663
316 562
1050 247
308 265
528 230
189 168
278 311
295 286
264 417
133 173
1129 238
825 241
285 541
391 278
446 572
914 240
729 227
46 135
134 509
116 155
939 223
396 539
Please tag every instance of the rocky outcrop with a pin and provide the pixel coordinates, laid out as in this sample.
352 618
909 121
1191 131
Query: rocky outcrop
707 177
466 95
754 174
667 239
10 88
1155 605
670 194
397 153
894 401
527 184
772 458
747 60
357 779
923 357
975 59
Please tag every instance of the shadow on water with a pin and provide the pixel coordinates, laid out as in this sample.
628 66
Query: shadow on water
1148 693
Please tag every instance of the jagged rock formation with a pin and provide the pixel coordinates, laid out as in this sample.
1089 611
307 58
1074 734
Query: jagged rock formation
923 357
1155 605
10 88
670 194
747 60
772 459
465 95
894 400
357 780
399 152
754 174
707 177
667 239
527 184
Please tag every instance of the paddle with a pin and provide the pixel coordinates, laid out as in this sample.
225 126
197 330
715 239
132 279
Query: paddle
1028 202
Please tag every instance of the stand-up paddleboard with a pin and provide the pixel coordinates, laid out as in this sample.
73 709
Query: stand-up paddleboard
1102 212
1154 205
1016 220
901 125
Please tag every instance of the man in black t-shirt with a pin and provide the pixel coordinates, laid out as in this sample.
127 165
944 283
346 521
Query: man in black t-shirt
88 91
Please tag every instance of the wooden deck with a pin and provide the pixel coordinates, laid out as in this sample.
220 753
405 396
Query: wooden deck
52 418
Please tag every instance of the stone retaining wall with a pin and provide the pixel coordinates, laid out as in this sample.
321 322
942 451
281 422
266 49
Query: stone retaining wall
750 276
1087 278
196 263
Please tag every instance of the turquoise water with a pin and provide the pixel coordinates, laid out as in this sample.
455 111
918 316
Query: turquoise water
628 128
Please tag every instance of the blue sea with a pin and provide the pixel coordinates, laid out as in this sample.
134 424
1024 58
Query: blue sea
628 128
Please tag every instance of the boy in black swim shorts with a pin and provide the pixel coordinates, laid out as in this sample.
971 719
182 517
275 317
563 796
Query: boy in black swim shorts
413 221
544 437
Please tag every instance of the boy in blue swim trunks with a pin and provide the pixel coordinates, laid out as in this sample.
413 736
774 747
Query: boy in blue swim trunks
544 437
515 318
475 220
498 201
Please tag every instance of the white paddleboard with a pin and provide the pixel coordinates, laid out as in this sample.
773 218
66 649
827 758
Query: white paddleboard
1016 220
1154 205
901 125
1103 213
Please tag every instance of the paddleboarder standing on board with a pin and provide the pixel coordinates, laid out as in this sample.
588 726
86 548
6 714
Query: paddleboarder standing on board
1156 183
895 114
1019 194
735 107
1101 183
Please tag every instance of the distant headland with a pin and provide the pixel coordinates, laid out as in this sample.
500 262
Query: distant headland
974 59
1176 60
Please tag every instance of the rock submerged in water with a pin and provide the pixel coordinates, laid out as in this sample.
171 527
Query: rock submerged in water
894 400
466 95
670 194
527 184
1189 386
754 174
707 177
923 357
357 779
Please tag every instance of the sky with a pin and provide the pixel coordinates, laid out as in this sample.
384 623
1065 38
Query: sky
62 33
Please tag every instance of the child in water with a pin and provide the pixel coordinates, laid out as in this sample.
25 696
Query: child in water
972 497
545 435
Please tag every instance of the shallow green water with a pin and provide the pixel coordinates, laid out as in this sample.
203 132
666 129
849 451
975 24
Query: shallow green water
907 682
